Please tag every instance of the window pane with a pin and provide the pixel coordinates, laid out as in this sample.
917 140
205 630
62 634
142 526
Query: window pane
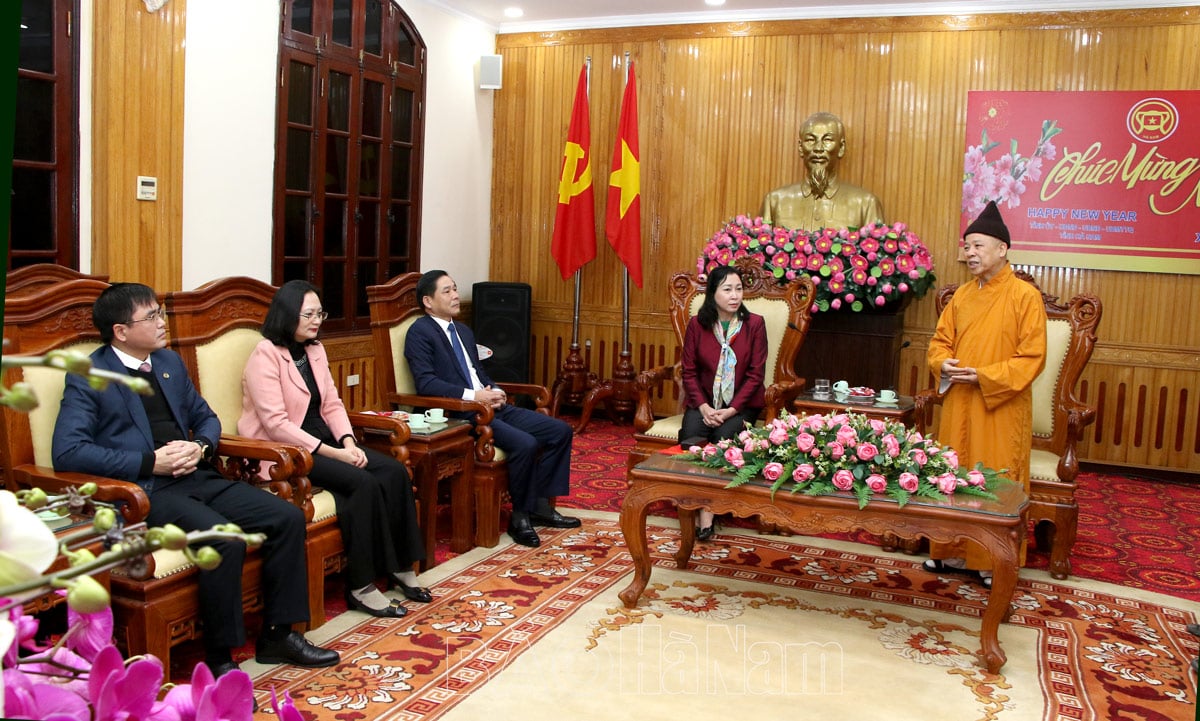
366 277
335 226
405 47
300 93
335 164
37 36
401 172
402 116
396 267
32 209
302 16
296 270
34 137
299 159
338 116
368 229
368 170
398 240
295 226
373 29
333 289
372 110
343 22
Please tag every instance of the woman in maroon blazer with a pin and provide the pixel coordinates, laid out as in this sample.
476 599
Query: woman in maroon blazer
288 395
724 364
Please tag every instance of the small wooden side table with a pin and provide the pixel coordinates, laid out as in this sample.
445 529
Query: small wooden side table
902 410
438 452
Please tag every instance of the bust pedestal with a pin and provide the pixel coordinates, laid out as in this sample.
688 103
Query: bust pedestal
861 348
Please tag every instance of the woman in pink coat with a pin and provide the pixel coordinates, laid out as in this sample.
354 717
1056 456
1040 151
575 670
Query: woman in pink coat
288 395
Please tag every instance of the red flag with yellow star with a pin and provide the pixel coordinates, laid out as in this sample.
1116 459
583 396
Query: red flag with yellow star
574 240
623 224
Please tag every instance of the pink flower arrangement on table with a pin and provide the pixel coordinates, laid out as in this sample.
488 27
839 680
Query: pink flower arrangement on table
851 268
845 452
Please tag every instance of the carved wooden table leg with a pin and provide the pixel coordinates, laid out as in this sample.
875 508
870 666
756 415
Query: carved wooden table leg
633 526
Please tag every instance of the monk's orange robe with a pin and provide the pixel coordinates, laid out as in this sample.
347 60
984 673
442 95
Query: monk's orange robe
1000 330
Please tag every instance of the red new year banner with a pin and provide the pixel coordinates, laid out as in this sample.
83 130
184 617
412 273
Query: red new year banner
1104 179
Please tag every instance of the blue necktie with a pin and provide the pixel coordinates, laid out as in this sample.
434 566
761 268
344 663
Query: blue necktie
460 355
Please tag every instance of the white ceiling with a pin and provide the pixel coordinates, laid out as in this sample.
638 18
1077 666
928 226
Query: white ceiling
548 15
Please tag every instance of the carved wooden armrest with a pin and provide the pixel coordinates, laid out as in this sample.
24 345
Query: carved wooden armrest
1079 416
485 451
241 458
539 394
131 500
923 403
646 382
779 397
384 433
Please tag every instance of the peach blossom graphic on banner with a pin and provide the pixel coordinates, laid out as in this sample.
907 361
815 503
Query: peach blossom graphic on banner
1004 178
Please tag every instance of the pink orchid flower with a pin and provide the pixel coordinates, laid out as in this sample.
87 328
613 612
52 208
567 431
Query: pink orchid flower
228 698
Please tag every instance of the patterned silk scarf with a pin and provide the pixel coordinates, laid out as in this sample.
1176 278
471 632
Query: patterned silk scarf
726 364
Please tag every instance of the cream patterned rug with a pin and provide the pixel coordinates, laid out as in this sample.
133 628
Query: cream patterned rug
759 627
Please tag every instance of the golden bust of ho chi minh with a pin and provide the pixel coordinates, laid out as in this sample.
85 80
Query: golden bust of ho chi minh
821 200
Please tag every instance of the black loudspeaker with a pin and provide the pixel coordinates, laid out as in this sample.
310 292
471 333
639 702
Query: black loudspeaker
502 323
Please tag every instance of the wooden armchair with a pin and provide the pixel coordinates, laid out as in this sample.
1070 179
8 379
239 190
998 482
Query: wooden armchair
215 329
786 312
1058 419
160 607
393 310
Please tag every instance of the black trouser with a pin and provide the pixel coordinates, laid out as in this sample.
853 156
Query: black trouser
376 512
201 500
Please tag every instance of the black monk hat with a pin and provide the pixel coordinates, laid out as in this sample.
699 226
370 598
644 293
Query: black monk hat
990 223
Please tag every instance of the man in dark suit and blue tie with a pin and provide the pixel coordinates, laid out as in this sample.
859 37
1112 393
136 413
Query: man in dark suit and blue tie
163 443
537 446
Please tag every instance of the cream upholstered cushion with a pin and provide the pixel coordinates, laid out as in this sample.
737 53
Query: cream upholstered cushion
404 376
775 313
1043 465
220 363
48 385
666 428
1058 341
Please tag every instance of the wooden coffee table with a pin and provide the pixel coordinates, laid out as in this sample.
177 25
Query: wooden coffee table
998 527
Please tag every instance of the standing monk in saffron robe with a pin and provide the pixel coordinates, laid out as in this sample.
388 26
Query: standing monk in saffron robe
989 346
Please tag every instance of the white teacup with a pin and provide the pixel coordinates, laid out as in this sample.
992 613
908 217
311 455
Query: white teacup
842 388
417 422
435 415
888 396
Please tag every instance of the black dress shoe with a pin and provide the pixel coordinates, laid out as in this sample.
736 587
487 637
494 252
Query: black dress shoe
1193 628
706 533
295 649
393 610
412 593
554 520
522 532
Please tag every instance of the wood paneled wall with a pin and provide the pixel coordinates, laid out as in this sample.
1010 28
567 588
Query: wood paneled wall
720 109
137 129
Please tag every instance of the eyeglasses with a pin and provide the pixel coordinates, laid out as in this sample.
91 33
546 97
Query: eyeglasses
318 314
151 316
